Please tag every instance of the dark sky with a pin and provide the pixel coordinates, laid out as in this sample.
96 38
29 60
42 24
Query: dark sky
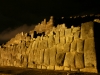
23 15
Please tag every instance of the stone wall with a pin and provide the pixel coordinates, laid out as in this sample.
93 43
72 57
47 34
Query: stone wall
70 49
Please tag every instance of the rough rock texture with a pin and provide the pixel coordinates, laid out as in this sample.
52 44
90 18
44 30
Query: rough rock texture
58 48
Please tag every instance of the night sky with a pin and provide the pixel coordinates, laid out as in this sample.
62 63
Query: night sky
23 15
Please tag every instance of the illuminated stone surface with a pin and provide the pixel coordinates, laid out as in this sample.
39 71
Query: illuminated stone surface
79 60
80 45
87 30
89 53
46 57
69 59
60 59
53 55
59 48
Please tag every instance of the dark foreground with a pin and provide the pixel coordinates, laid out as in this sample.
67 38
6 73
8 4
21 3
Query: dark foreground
23 71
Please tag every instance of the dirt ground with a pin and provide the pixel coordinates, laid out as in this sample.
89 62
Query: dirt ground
24 71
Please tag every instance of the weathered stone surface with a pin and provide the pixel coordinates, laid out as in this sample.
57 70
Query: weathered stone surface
74 69
80 45
87 30
62 32
57 39
7 62
93 70
30 56
57 33
38 66
41 56
69 59
47 56
35 45
41 45
18 56
50 67
59 68
66 47
68 32
31 65
77 35
69 39
67 68
55 51
50 41
62 40
89 53
73 46
44 67
53 55
15 63
45 44
75 29
79 60
60 48
37 57
60 59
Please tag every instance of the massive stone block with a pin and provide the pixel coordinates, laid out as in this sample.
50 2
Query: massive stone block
45 44
69 39
36 44
53 55
66 47
77 35
68 32
92 70
41 45
79 60
89 53
50 67
59 48
18 56
80 45
60 59
73 46
31 65
37 57
75 29
67 68
44 67
50 41
87 30
57 33
38 66
41 56
62 32
47 57
62 40
59 68
57 39
31 56
69 60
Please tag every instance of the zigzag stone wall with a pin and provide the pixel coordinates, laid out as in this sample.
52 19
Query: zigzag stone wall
70 49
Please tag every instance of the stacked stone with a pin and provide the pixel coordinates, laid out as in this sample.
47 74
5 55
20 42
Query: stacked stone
87 34
62 48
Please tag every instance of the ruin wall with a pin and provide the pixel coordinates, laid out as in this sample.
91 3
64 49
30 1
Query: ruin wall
69 49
